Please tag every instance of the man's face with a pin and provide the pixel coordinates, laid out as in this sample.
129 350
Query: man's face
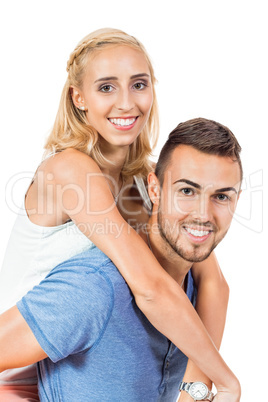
198 199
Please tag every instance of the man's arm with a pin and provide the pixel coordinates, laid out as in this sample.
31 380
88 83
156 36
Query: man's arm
211 305
18 345
63 315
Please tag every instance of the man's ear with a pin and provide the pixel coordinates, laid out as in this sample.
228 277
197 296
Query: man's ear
153 188
77 98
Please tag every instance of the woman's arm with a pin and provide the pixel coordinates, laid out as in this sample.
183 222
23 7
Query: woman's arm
84 196
211 305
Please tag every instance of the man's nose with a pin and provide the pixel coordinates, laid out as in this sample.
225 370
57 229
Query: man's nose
203 209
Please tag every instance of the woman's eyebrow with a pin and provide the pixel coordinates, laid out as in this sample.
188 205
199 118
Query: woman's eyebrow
140 75
106 79
116 78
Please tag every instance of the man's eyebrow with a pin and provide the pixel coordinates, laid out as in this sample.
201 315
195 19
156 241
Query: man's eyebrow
116 78
225 189
193 184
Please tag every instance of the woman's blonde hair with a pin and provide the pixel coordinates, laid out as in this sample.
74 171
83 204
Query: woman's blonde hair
71 128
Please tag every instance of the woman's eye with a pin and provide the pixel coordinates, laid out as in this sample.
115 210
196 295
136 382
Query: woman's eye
140 85
106 88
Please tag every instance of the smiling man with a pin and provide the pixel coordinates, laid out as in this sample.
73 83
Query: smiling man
83 320
198 178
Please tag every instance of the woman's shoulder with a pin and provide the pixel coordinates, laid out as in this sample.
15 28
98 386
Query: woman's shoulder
68 163
69 156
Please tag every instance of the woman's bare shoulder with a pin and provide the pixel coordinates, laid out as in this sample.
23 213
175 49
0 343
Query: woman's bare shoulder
69 163
70 157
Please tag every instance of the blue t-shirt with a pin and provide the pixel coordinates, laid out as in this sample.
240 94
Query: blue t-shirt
101 347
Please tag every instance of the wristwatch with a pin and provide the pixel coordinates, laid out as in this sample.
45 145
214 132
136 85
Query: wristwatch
197 390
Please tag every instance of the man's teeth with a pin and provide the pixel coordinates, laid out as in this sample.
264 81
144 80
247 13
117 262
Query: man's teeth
122 122
197 233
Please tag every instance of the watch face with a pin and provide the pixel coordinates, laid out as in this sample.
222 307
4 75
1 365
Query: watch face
198 391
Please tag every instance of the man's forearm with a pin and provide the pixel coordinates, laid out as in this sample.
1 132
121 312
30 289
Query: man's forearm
18 345
211 305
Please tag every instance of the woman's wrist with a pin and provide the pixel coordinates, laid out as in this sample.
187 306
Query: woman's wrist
233 389
225 393
231 384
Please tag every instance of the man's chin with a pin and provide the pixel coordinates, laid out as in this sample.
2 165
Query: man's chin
195 255
194 259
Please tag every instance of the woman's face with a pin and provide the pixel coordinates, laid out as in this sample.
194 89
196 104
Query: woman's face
117 93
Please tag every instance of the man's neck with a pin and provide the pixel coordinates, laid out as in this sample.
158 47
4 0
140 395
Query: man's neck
173 264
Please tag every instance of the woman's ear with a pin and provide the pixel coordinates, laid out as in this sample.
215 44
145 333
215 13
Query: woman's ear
153 188
77 98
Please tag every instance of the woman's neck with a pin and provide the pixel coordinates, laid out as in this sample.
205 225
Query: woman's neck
117 156
112 168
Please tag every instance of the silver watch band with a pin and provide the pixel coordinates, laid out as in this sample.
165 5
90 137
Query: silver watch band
185 386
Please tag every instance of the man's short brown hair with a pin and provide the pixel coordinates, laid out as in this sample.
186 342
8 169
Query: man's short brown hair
206 136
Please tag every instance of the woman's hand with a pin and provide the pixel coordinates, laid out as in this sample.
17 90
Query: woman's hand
221 396
232 394
185 397
227 396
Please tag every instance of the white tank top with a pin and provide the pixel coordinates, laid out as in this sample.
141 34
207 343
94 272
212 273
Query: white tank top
32 252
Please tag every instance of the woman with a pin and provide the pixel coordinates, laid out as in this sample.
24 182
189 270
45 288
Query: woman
100 142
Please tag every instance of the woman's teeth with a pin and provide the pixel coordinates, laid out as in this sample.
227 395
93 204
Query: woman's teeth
197 233
123 122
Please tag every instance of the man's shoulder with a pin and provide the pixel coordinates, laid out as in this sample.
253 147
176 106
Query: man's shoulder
88 271
76 297
92 259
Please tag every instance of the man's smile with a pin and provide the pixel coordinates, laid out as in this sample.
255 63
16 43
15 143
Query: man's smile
197 234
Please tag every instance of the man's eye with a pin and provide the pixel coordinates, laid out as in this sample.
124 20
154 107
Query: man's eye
222 197
106 88
187 191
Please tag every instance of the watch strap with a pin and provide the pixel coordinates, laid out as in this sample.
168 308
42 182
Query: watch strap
185 386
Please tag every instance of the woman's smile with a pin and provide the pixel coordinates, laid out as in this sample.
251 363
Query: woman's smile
117 94
126 123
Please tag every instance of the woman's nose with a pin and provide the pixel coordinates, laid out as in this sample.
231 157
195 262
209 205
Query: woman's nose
124 101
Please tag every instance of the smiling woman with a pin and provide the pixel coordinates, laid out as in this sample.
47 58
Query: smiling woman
108 69
119 102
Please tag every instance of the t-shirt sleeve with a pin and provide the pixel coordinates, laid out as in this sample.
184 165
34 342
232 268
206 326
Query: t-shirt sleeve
69 310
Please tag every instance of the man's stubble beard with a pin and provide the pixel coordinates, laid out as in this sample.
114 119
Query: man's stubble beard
191 256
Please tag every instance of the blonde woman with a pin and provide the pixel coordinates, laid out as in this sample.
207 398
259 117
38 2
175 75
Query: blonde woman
86 191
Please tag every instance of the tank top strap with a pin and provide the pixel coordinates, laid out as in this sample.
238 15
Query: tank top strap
35 173
143 192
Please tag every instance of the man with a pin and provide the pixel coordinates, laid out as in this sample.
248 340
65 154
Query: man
83 315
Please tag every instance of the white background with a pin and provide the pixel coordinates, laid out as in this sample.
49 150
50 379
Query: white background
210 58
